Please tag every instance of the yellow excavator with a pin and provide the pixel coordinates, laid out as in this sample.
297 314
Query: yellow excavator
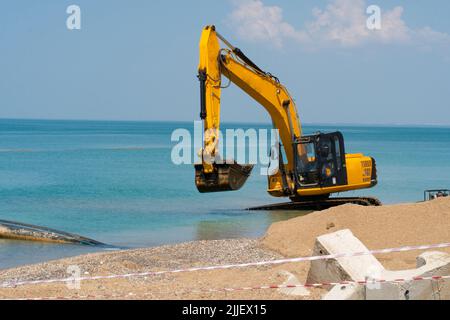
315 166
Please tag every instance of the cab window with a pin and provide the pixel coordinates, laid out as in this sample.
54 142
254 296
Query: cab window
337 145
307 157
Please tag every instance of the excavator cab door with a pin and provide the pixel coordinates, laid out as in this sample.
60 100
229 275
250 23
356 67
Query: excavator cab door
321 160
331 159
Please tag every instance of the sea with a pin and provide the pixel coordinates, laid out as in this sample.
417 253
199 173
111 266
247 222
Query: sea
116 182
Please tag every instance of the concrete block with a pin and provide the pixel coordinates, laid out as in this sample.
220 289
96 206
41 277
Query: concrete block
292 280
342 269
429 264
367 267
345 292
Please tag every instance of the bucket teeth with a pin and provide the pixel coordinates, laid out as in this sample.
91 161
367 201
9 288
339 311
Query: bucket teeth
226 177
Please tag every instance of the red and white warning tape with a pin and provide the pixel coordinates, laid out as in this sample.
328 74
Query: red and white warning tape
229 266
326 284
313 285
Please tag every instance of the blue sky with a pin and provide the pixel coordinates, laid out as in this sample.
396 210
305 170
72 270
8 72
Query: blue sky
137 60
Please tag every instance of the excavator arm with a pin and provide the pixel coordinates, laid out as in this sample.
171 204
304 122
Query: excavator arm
261 86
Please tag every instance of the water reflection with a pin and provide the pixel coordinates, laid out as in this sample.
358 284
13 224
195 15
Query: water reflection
242 224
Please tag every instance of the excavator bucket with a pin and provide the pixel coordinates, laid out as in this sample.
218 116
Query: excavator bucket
226 177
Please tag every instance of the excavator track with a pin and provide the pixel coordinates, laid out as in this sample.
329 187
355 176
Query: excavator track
318 205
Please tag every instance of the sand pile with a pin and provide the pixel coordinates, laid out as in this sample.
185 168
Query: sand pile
377 227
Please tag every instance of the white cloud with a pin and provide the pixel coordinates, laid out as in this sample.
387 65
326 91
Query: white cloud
341 23
344 22
429 38
256 22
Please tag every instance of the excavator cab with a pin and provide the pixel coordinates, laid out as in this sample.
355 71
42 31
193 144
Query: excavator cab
320 160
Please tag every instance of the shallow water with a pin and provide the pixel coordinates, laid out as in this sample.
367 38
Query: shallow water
115 182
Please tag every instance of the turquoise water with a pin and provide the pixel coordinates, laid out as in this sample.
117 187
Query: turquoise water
115 182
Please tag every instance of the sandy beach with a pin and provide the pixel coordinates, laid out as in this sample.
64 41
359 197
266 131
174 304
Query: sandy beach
377 227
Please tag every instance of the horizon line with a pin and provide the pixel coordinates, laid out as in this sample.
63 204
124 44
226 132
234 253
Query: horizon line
386 124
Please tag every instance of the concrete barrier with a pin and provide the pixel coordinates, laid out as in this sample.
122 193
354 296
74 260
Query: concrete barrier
367 267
